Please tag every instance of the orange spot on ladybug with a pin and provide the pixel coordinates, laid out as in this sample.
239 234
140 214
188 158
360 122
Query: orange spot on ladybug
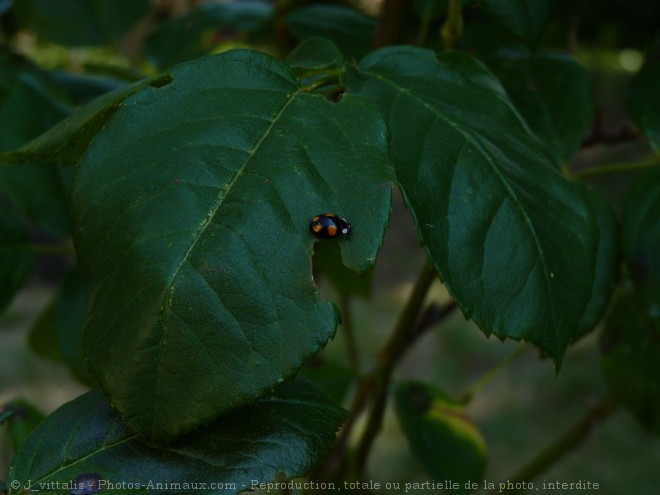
329 226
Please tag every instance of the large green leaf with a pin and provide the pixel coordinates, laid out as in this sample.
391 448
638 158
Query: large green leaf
352 31
84 441
552 93
526 19
191 212
16 262
512 239
644 99
630 347
199 31
442 436
315 54
641 237
79 22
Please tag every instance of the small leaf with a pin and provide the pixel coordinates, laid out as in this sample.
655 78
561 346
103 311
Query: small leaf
552 92
16 262
514 242
286 433
79 22
200 30
197 244
441 435
630 347
22 419
525 19
314 54
58 332
643 97
352 31
641 237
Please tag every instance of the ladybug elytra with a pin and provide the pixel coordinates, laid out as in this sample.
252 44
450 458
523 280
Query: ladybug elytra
329 226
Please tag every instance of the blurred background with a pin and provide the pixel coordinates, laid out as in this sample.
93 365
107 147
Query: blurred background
76 53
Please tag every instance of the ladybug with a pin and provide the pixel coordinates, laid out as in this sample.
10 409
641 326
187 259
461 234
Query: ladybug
329 226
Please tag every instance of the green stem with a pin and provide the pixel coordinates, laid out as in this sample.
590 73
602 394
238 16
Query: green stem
564 444
401 338
491 374
326 81
614 168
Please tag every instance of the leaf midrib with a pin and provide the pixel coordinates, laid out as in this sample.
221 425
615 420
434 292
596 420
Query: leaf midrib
223 193
460 129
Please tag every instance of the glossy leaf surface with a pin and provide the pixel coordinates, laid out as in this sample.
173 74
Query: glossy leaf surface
192 213
513 240
85 441
440 434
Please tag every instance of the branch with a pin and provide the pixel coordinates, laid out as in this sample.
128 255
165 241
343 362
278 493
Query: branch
404 334
394 350
613 168
567 442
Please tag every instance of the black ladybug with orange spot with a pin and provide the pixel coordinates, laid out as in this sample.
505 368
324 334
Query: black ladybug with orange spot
329 226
